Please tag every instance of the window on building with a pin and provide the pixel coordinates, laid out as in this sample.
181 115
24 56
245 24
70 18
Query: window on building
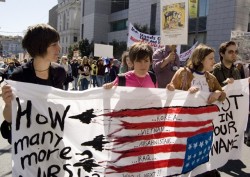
64 22
82 31
203 8
119 5
153 18
248 29
83 3
75 39
118 25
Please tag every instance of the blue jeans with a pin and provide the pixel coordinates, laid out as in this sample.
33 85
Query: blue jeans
75 86
84 84
100 80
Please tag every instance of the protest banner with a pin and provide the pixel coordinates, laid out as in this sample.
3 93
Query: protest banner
174 22
185 55
102 50
193 8
136 36
243 41
124 131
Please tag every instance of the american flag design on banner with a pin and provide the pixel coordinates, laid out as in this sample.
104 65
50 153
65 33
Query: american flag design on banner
159 139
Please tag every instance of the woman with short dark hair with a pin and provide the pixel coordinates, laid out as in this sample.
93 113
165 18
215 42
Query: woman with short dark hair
42 43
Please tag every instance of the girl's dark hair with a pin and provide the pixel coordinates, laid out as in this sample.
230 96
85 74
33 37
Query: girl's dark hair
198 55
138 51
38 38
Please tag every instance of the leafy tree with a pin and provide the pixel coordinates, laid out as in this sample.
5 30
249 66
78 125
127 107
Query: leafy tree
84 47
71 50
118 48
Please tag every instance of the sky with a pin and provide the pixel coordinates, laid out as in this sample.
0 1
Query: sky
17 15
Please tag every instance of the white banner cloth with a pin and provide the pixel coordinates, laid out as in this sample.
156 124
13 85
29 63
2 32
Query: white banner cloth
124 131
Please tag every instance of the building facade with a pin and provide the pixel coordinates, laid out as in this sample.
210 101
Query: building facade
53 17
10 46
68 23
108 20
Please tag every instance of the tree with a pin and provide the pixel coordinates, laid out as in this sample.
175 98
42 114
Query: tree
118 48
71 50
84 47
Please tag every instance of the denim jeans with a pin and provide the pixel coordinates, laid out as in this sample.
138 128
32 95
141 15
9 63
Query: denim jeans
100 80
74 83
84 84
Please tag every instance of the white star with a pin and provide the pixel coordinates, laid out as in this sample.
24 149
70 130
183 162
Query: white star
201 144
190 146
197 160
194 156
193 163
189 157
206 142
200 153
187 165
204 151
195 145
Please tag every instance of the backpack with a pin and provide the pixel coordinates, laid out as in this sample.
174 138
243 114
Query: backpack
122 79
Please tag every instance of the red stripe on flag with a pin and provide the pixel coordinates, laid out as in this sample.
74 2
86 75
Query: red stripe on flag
151 150
126 139
137 126
147 166
166 110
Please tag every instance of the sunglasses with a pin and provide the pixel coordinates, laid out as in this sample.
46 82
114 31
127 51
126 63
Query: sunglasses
233 52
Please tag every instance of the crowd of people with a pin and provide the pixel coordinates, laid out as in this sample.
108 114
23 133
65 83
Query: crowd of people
140 66
86 72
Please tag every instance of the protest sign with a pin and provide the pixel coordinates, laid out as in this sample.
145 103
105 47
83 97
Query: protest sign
124 131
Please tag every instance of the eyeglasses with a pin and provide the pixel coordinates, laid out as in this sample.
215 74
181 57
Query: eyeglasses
233 52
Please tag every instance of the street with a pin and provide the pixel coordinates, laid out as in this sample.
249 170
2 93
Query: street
233 168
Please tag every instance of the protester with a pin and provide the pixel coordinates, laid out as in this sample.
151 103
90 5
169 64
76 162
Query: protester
94 73
107 64
165 63
140 55
75 74
114 69
225 71
100 72
197 77
126 64
42 43
69 78
84 71
10 69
